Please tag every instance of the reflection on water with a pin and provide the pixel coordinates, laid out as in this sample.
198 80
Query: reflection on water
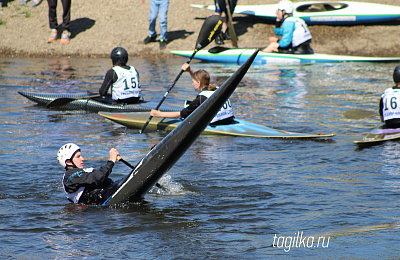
226 197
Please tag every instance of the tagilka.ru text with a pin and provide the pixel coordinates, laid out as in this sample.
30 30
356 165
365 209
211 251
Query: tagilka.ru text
299 240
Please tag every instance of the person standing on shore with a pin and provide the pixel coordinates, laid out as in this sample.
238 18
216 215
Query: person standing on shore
66 18
158 7
389 105
296 36
220 7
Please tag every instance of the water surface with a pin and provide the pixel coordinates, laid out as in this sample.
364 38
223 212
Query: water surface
228 197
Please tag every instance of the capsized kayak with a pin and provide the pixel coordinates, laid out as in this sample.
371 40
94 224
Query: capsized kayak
241 128
93 104
325 12
163 156
379 135
238 56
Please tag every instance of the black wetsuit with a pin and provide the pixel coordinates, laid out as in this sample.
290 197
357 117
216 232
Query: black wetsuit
95 183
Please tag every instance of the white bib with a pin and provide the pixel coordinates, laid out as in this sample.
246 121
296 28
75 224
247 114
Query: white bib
391 104
127 84
226 110
77 194
301 32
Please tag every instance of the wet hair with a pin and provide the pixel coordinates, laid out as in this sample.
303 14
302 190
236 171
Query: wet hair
204 78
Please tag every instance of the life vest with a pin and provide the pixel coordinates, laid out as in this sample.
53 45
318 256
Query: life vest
127 84
226 110
301 32
391 104
75 196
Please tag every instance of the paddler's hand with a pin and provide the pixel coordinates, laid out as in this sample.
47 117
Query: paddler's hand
113 154
273 39
186 67
279 15
155 113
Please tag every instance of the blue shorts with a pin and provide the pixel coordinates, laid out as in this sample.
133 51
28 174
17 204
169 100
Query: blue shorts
217 8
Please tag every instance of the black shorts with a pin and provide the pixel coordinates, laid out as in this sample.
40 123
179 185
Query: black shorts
132 100
303 48
392 123
221 5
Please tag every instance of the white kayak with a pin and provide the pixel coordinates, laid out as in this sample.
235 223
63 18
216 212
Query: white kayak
325 12
239 56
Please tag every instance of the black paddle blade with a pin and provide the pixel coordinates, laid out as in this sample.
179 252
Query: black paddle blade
210 29
59 102
219 49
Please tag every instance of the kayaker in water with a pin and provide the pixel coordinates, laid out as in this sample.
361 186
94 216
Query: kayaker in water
84 185
389 105
296 36
123 79
201 83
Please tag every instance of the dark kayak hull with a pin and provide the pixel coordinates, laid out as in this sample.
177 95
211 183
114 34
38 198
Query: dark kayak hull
162 157
93 105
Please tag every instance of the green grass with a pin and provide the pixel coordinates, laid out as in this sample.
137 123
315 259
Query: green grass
27 14
2 22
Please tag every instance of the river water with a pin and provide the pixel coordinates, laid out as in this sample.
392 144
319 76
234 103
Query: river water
227 197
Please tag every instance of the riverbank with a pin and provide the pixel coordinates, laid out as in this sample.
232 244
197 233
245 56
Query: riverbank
99 26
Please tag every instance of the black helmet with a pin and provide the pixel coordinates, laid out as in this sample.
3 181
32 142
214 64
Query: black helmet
396 74
119 56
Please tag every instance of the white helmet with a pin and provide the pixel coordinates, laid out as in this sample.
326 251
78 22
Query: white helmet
66 152
286 5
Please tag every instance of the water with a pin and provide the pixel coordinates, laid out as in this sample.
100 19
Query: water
228 197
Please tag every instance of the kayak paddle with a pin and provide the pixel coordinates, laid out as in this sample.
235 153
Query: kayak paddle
219 49
232 32
119 158
58 102
209 30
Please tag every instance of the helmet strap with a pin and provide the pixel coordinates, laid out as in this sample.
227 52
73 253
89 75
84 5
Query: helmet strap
70 165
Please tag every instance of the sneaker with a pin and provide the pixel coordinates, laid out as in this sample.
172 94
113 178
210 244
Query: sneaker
53 36
163 44
149 39
219 40
65 37
23 2
35 3
225 35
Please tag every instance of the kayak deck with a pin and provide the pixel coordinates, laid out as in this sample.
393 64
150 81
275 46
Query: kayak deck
242 128
239 56
379 135
93 104
324 12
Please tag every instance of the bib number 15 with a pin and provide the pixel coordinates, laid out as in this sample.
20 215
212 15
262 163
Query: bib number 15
130 84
